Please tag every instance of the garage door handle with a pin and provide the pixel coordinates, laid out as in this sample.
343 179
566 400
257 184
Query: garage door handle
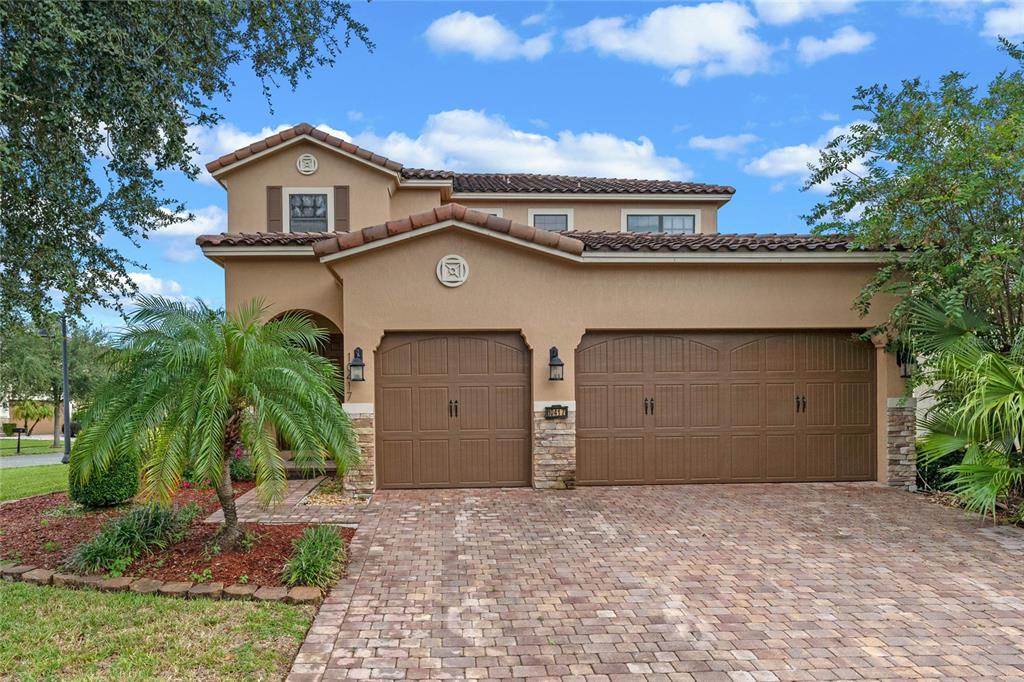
652 405
646 405
456 408
797 403
803 403
451 414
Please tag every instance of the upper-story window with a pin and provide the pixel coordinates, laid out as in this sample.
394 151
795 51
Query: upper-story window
308 209
551 219
659 221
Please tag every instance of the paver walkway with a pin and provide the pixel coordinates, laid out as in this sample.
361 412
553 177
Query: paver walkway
728 582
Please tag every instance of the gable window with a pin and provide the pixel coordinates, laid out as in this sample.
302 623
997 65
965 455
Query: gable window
308 209
551 219
659 222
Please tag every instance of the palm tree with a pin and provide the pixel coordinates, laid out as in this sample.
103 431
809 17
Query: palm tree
192 385
979 392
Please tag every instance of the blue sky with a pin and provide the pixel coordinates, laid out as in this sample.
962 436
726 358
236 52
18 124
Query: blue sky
722 92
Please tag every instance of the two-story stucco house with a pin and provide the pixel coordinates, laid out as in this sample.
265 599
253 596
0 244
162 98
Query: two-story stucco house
522 329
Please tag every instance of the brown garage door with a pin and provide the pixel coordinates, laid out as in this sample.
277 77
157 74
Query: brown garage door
453 411
724 407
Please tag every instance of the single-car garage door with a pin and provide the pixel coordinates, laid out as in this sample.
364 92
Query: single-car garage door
453 410
724 407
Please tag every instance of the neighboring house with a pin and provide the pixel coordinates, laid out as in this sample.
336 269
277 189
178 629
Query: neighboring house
44 427
689 355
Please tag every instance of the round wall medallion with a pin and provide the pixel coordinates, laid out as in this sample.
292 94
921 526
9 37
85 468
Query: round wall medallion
452 271
306 164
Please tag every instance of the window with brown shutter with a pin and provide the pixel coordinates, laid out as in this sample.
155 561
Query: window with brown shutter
341 208
274 209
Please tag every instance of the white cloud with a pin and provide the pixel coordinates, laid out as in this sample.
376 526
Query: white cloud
208 220
828 116
726 144
1006 21
535 19
485 38
791 162
781 12
148 285
468 140
846 40
182 251
715 38
354 115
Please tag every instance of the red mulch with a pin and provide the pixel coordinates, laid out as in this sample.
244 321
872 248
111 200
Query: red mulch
26 534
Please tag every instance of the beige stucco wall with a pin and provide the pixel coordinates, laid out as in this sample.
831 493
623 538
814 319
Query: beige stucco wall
369 188
284 284
604 216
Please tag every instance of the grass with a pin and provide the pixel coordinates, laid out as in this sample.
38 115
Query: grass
29 446
26 481
53 633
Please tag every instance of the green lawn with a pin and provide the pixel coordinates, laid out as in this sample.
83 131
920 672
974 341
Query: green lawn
56 634
26 481
9 447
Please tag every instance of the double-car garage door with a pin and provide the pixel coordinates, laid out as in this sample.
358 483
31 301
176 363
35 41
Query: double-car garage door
724 407
453 410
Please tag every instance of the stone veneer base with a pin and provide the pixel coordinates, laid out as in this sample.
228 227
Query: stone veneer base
554 451
361 479
901 437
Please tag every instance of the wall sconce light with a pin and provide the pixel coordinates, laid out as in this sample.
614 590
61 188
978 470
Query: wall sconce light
556 367
356 366
905 361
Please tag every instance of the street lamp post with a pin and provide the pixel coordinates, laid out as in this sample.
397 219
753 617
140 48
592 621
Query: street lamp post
67 388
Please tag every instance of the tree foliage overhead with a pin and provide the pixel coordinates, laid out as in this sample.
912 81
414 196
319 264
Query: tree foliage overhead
939 170
97 100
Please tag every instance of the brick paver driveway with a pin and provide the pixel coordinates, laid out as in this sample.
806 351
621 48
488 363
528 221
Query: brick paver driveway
753 582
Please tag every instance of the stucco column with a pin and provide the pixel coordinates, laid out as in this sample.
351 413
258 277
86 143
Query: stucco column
896 417
554 440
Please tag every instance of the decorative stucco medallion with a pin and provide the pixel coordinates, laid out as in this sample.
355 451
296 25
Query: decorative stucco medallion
306 164
452 271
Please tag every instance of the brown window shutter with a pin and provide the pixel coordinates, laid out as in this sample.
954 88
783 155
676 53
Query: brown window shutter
274 210
341 208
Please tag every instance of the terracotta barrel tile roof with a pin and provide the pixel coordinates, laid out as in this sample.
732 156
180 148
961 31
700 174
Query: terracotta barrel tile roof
262 238
349 240
639 241
478 182
562 184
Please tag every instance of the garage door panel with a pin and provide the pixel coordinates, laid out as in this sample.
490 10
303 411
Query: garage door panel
454 410
592 460
704 410
509 466
702 357
854 456
432 465
780 457
745 458
431 406
780 404
820 456
747 406
670 459
854 404
395 460
592 360
397 410
627 407
592 407
706 459
473 462
508 407
670 405
821 404
627 460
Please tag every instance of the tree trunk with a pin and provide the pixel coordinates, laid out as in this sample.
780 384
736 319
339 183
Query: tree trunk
231 532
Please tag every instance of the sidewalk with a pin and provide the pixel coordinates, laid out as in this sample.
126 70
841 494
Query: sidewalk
16 461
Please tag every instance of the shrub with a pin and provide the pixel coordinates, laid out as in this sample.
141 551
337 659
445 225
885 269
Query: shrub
241 469
140 531
931 474
317 558
8 428
116 485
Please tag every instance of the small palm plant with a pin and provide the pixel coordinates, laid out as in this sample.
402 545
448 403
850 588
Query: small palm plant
979 412
193 385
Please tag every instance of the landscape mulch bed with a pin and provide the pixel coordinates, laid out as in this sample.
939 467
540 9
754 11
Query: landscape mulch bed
44 530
